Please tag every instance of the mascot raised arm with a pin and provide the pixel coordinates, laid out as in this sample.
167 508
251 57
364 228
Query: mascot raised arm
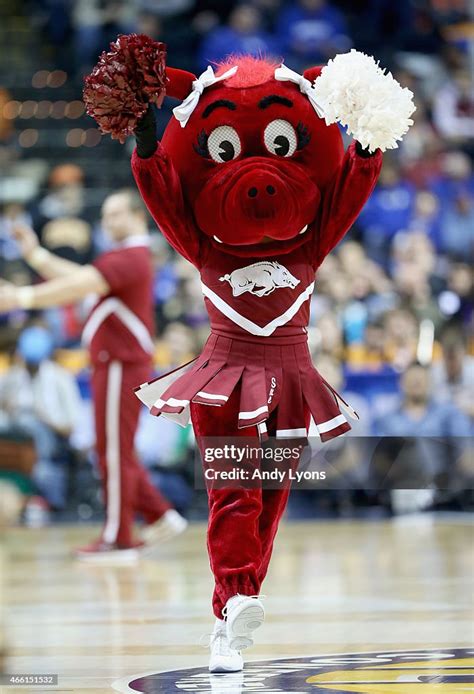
251 184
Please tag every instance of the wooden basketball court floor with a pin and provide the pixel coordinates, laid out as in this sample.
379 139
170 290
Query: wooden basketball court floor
341 587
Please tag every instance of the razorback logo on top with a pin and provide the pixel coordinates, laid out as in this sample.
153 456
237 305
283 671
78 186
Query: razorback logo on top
260 278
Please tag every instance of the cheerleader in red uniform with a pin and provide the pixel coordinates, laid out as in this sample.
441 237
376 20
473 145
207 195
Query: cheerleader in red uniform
251 184
118 337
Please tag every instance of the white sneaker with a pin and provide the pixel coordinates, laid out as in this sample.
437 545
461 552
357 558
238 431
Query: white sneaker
169 525
223 658
243 615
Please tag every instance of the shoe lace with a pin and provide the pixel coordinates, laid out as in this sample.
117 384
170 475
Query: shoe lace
220 643
217 640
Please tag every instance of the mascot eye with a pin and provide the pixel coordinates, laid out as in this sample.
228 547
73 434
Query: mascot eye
223 144
280 138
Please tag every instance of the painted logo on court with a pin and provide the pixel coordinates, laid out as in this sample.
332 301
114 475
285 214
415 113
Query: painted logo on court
447 671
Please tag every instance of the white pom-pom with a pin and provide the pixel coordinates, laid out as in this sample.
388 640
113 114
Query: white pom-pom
357 93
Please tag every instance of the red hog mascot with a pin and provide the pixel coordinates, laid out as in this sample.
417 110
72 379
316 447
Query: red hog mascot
251 184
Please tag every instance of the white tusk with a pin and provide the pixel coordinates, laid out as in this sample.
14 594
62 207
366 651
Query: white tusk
218 240
302 230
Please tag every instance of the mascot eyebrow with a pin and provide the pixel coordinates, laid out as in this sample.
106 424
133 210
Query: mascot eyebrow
274 99
220 103
263 103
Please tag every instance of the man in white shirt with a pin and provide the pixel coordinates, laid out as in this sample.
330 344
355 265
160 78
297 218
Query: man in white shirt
41 398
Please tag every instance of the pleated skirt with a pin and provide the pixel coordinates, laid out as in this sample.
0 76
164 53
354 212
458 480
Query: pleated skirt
274 374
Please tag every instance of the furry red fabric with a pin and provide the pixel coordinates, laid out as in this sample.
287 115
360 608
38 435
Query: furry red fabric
252 71
254 514
254 190
255 113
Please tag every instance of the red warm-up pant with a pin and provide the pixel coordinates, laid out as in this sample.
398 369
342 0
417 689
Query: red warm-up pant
242 522
127 487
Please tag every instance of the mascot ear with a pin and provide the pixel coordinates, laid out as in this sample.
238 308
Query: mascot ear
313 72
180 82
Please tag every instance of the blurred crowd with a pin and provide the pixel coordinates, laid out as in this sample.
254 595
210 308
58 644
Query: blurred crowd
393 308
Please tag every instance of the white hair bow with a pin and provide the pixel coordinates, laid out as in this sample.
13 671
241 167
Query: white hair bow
284 74
184 111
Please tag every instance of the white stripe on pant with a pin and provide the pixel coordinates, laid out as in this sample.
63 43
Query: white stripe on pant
112 454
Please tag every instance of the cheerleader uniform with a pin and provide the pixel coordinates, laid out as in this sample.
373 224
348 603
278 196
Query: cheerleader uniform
118 335
255 374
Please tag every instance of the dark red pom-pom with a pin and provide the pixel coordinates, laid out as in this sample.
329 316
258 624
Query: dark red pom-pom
125 80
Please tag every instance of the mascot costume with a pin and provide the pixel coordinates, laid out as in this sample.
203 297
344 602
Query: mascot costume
250 184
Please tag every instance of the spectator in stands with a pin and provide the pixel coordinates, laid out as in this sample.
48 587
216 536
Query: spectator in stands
328 336
165 276
455 177
17 273
420 153
70 238
388 210
374 339
60 217
194 311
413 274
459 289
41 398
53 19
401 338
421 160
269 10
311 32
422 34
422 438
453 108
180 342
96 23
334 287
242 34
415 251
453 376
418 414
426 217
174 23
11 213
164 7
457 228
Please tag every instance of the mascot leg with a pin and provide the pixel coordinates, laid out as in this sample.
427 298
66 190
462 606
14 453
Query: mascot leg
242 522
233 538
241 531
274 503
273 507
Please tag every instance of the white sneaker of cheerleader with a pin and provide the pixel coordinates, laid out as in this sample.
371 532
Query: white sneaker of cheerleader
223 658
243 615
168 526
